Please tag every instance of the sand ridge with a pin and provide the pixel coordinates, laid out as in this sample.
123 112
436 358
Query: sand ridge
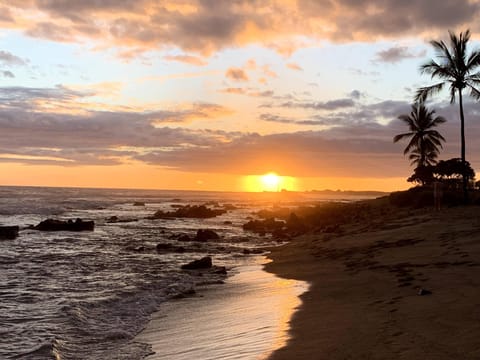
364 300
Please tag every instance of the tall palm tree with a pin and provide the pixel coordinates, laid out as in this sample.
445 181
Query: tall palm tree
458 69
425 142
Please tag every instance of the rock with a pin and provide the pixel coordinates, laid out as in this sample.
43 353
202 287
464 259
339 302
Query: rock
61 225
203 263
195 211
423 292
263 226
9 232
138 203
222 270
205 235
115 219
227 222
295 224
184 237
162 247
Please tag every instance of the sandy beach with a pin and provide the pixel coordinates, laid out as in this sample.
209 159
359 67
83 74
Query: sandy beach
401 287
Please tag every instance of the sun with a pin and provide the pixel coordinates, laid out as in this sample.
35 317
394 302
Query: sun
271 182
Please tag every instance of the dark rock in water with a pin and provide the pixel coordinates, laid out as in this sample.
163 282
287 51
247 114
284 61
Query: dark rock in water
195 211
161 248
205 235
9 232
69 225
115 219
222 270
184 237
227 223
164 247
423 292
252 251
138 203
203 263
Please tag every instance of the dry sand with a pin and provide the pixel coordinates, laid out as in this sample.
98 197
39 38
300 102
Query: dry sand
363 302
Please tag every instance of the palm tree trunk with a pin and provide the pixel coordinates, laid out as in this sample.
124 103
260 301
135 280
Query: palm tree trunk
462 136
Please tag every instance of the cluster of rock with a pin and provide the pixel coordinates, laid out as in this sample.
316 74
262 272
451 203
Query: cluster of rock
205 263
189 211
294 226
9 232
115 219
68 225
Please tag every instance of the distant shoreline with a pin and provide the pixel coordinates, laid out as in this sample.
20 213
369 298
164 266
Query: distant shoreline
320 192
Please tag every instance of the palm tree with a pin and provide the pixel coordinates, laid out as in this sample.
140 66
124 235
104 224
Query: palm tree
425 142
456 68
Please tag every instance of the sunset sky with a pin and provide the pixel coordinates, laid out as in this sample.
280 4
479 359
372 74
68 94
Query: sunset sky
213 94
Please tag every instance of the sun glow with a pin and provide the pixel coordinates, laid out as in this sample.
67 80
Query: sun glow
270 182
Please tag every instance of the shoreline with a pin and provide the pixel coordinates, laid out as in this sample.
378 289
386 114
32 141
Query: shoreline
365 299
244 318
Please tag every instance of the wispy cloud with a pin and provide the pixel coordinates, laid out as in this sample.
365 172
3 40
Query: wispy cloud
398 53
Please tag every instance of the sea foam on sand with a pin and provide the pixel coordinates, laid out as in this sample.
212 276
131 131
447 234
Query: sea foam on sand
246 318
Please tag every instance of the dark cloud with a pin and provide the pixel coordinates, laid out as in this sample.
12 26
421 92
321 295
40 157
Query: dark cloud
207 26
397 54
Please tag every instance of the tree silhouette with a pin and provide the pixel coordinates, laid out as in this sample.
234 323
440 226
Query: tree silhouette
425 142
456 68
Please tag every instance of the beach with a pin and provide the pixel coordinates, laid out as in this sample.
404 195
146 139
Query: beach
403 286
245 318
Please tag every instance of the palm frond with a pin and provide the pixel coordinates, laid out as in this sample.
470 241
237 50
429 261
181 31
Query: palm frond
424 92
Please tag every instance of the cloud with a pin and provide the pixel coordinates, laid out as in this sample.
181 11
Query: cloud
236 74
248 91
397 54
8 59
354 141
328 105
188 59
294 66
207 26
8 74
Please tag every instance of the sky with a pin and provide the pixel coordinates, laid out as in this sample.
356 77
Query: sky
214 94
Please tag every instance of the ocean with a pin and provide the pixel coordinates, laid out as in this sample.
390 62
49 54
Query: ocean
87 295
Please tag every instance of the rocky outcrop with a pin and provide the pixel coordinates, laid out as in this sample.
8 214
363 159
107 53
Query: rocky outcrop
189 211
61 225
203 263
115 219
9 232
204 235
138 203
167 247
264 226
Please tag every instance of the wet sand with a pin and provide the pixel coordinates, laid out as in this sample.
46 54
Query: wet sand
245 318
364 300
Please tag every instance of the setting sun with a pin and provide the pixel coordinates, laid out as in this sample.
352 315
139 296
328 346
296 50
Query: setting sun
271 182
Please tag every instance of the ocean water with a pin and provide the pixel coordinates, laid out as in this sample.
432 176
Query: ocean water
86 295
